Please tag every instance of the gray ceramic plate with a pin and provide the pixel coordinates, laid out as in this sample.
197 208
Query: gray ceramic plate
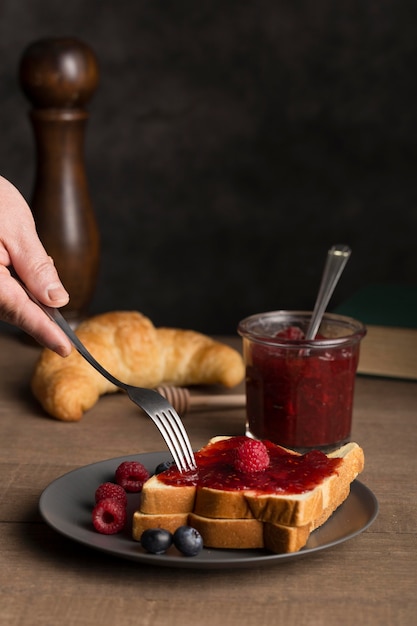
67 503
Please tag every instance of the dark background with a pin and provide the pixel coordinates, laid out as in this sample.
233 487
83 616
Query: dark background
231 143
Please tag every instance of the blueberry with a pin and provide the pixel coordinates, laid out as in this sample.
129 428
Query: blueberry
188 540
156 540
163 466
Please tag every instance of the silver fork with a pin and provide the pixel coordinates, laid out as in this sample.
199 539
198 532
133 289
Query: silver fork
161 412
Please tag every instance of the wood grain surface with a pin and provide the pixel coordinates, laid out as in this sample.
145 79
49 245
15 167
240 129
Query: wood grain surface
46 579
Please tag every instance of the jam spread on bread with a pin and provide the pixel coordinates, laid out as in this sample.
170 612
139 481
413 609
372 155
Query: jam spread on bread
286 473
248 493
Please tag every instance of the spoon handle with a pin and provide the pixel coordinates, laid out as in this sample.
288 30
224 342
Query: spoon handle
337 257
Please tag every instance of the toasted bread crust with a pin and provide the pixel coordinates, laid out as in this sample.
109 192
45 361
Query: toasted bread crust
144 521
299 511
222 504
160 498
228 533
284 539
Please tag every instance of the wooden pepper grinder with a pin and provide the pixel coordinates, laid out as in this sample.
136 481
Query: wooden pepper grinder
59 76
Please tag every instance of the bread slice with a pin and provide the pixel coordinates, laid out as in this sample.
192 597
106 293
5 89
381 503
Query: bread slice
249 534
144 521
248 518
275 508
230 534
157 497
306 508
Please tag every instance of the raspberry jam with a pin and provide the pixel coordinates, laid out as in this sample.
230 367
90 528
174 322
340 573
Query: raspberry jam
300 394
286 474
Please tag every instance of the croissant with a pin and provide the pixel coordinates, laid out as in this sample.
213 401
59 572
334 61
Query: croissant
128 345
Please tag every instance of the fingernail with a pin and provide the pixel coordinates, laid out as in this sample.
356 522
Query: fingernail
62 351
57 293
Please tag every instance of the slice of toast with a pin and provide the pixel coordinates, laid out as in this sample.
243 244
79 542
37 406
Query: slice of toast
228 533
144 521
248 518
249 534
306 508
158 497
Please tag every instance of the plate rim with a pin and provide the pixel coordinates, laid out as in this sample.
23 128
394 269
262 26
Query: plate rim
219 560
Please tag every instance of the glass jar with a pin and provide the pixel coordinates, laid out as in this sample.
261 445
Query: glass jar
300 393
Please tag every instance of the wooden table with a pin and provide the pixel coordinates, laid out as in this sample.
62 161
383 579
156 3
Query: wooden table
46 579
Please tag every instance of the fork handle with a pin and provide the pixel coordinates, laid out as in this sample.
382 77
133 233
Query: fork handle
57 317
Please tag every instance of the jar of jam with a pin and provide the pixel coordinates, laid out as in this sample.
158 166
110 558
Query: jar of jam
300 393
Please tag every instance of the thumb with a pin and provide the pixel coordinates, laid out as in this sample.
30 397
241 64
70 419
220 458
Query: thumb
21 248
41 278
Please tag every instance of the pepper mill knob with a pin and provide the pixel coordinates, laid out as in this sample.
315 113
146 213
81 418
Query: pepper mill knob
59 77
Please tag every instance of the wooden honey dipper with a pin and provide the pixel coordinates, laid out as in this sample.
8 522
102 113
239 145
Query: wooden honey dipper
182 400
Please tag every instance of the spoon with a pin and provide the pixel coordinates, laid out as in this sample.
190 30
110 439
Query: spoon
337 257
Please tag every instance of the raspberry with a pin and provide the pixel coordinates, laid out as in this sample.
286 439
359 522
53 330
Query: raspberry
111 490
251 456
131 475
109 516
293 333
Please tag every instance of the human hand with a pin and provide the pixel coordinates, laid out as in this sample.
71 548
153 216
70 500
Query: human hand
21 249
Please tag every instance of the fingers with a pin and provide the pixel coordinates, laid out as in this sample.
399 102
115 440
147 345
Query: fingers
16 308
21 249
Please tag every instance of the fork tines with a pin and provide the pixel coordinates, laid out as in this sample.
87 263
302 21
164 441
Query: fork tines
173 431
